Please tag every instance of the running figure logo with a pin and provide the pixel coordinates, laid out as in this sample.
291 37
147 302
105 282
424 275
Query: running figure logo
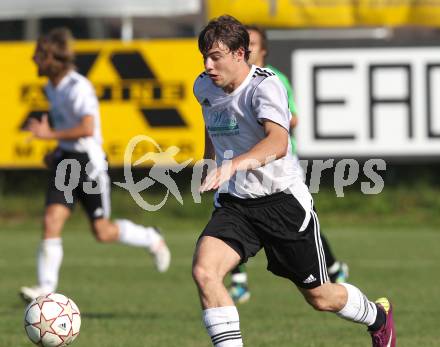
164 162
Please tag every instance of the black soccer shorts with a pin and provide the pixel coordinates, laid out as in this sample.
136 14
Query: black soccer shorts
93 194
272 222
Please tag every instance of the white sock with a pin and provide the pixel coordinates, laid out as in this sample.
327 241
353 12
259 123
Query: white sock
334 268
239 278
136 235
358 308
49 258
223 326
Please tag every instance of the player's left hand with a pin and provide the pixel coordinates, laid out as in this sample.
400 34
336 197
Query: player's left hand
217 177
41 129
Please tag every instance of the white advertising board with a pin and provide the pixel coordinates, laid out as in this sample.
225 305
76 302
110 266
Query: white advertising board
367 101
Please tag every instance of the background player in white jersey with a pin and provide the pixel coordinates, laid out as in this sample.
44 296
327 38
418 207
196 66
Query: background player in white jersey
337 270
262 201
74 113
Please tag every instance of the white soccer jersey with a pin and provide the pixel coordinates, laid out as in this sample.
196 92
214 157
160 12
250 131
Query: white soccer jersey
72 99
234 122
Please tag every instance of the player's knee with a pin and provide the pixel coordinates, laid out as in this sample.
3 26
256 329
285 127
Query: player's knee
318 304
55 216
198 274
318 301
202 275
50 220
101 234
52 225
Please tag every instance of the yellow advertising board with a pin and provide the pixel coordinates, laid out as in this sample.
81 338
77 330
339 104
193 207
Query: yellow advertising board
144 88
329 13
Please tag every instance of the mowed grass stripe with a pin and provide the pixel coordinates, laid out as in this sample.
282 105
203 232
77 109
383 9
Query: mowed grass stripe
126 303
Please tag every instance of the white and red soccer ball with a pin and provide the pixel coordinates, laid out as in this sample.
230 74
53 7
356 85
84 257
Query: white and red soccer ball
52 320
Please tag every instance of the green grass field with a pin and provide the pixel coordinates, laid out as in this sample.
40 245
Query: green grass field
124 302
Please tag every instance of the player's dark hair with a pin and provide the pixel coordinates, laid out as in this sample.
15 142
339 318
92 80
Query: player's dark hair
227 30
58 42
260 32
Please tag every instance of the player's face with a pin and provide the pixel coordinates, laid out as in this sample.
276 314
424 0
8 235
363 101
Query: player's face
43 60
221 65
258 53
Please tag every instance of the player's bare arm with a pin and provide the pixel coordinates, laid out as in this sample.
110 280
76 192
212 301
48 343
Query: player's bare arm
272 147
42 130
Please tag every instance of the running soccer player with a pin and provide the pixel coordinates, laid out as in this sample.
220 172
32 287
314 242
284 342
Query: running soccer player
337 270
74 112
261 199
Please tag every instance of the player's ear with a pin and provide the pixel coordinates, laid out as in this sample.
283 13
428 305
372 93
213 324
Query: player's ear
239 54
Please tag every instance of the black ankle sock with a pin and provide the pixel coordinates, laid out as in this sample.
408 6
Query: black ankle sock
238 284
381 319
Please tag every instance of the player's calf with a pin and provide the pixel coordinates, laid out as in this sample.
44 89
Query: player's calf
326 297
104 230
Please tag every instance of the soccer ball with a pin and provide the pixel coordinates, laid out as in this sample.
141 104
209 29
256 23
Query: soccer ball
52 320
